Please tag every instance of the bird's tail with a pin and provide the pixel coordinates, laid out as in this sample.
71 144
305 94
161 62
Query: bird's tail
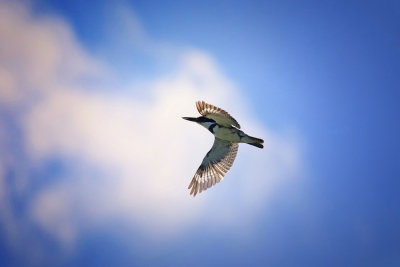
253 141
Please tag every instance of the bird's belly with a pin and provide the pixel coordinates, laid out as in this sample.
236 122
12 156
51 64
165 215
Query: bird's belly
227 134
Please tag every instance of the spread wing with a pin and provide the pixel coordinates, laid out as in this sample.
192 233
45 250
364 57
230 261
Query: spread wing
219 115
215 165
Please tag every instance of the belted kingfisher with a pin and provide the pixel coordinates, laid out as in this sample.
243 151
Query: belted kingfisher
220 158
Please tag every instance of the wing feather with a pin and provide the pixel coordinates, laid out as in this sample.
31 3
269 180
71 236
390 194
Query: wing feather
218 114
214 167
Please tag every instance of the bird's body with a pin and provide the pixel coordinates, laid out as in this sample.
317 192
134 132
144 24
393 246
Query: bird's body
220 158
228 134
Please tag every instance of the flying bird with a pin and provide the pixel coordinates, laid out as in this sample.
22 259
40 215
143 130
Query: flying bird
220 158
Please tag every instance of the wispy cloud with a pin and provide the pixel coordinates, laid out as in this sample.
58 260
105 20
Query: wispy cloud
130 157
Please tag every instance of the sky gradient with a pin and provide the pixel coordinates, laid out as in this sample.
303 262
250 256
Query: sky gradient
95 159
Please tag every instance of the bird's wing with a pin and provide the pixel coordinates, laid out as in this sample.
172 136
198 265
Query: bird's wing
218 114
215 165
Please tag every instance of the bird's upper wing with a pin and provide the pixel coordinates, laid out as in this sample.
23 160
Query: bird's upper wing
219 115
215 165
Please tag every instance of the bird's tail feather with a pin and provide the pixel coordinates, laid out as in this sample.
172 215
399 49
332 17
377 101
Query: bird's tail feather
253 141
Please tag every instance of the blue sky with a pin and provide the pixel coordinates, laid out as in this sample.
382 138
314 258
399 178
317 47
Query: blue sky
89 93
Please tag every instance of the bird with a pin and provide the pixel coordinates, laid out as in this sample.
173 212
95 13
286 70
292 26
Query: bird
220 158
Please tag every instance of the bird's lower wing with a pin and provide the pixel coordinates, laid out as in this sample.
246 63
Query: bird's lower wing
215 165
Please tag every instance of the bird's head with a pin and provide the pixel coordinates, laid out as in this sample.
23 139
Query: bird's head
203 121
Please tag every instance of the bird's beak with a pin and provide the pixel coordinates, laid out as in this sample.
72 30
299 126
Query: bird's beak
189 118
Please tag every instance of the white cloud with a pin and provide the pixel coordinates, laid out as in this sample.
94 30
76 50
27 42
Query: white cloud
143 153
37 54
